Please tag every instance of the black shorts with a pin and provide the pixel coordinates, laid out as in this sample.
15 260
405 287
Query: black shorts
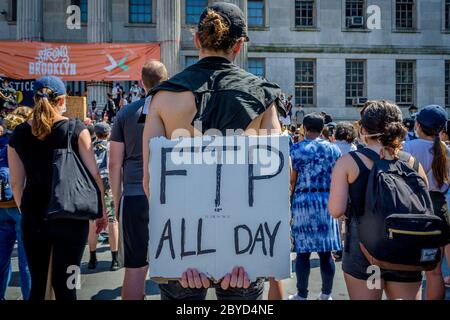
133 219
356 265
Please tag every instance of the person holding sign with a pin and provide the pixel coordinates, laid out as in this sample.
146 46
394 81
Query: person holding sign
219 95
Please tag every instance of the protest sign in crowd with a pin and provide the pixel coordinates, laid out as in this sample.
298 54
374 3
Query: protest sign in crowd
211 180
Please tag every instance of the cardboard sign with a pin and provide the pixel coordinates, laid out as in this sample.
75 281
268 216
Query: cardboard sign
76 108
217 203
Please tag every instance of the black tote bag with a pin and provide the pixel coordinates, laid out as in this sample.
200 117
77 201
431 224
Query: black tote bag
75 195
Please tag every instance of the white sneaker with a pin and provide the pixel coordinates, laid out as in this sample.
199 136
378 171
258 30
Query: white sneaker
324 297
296 297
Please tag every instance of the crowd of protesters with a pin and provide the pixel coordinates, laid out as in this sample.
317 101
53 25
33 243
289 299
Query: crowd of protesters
115 100
330 162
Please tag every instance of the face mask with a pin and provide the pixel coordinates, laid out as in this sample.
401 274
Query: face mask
63 109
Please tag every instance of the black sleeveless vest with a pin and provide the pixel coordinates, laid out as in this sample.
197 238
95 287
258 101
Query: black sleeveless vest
227 97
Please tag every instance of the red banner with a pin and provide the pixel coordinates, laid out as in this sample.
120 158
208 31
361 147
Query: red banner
75 62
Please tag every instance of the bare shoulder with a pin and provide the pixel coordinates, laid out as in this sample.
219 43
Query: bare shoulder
346 161
347 166
170 97
165 102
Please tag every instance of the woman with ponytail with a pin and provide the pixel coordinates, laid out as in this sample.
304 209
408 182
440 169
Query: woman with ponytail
30 155
434 155
382 132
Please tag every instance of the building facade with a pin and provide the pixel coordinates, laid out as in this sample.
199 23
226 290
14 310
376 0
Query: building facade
332 55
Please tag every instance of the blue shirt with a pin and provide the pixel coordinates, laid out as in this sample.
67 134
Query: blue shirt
314 161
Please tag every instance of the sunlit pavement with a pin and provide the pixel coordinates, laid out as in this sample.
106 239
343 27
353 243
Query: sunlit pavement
102 284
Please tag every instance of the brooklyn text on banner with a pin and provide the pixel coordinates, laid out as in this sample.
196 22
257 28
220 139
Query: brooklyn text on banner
75 62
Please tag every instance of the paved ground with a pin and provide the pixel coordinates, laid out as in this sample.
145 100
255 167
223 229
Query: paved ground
101 284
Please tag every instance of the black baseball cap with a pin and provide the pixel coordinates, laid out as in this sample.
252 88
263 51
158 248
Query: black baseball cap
233 15
432 116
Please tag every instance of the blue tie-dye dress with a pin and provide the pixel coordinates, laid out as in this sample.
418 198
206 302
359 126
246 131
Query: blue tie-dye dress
313 228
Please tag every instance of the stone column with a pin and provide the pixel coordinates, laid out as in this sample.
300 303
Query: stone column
99 30
169 33
241 59
29 20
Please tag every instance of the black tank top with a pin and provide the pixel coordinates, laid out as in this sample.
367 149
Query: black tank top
357 189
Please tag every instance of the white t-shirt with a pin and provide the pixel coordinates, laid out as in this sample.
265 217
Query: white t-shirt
422 150
345 147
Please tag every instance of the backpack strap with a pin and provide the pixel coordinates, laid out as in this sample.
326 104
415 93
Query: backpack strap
405 157
416 165
359 162
70 134
369 153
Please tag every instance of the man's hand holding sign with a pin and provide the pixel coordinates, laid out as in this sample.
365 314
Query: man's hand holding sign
237 279
219 210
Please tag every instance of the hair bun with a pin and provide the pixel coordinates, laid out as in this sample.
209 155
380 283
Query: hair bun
214 32
393 135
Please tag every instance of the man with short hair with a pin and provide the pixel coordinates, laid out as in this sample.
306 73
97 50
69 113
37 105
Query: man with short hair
126 170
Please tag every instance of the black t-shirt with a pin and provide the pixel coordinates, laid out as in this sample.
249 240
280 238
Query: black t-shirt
37 157
128 131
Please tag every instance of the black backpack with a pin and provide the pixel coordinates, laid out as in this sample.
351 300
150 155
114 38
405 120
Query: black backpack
398 229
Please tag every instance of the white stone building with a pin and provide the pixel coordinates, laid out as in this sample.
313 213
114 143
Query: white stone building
324 52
